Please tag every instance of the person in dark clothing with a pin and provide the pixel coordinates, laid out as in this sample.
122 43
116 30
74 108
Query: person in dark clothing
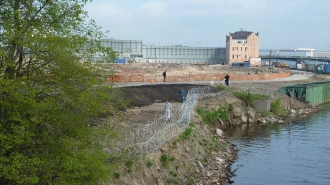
227 80
164 75
182 93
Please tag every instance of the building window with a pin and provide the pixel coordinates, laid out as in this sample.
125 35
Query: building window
236 48
246 48
236 56
245 56
233 56
233 48
241 49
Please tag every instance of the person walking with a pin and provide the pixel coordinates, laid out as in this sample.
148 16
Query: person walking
227 80
164 75
182 93
167 110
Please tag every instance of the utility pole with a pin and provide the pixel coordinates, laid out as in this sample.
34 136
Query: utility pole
270 55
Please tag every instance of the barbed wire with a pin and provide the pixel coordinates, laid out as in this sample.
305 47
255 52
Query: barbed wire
149 137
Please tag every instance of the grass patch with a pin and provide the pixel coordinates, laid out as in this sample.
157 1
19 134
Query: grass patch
213 115
173 173
265 114
275 107
129 163
172 181
221 87
149 163
116 175
190 181
164 159
248 97
183 136
230 108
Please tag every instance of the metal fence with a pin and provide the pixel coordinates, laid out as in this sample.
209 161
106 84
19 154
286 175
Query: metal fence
135 51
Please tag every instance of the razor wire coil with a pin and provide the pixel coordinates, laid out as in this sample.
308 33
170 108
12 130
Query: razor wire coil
148 138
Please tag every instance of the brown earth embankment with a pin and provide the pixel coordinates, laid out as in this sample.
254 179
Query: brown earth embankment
184 73
133 76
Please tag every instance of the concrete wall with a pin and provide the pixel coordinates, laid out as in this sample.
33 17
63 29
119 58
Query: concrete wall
262 105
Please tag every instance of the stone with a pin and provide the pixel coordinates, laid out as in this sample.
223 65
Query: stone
218 159
237 111
261 121
244 118
219 132
160 181
200 164
221 122
252 114
208 173
205 183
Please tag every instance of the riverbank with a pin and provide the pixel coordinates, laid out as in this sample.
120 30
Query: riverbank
199 156
296 153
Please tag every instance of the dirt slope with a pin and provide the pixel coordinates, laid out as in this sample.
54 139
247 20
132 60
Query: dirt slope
149 94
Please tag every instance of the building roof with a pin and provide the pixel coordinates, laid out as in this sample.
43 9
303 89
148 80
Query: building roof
241 34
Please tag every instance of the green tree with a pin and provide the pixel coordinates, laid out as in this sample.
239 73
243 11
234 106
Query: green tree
51 94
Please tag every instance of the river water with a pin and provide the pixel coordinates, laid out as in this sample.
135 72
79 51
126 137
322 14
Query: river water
281 155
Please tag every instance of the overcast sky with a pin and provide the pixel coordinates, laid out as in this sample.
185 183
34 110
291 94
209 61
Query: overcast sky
205 23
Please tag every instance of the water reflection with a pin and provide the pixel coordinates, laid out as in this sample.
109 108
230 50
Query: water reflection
276 154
